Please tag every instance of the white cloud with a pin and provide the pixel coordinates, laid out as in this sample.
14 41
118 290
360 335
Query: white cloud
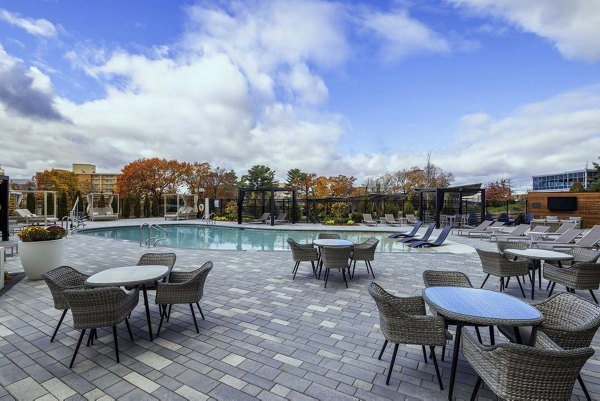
572 25
36 27
402 35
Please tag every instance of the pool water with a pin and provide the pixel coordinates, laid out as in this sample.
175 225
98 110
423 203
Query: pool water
242 239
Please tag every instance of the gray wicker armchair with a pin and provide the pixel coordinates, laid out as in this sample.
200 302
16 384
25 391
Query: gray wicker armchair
157 258
494 263
366 252
60 279
182 288
328 236
404 321
336 257
100 307
580 276
303 253
519 372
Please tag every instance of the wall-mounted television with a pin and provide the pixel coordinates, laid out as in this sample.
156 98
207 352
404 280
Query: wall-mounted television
566 203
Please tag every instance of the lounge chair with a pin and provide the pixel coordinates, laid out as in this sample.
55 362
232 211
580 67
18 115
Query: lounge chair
262 220
587 241
411 219
516 232
24 215
368 219
479 228
425 237
102 213
565 238
564 227
390 221
281 218
438 241
486 231
412 232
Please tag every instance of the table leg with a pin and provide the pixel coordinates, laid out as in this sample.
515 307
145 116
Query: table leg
459 326
533 336
147 311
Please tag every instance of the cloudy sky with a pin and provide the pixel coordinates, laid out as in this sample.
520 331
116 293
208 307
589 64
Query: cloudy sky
494 88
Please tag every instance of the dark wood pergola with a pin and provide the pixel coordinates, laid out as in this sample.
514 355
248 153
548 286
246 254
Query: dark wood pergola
263 192
462 190
4 207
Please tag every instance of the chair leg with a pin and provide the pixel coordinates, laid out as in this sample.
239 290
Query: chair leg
476 389
200 309
585 391
551 289
486 277
295 270
424 353
169 314
478 335
506 282
77 348
593 296
116 342
353 268
370 267
437 369
162 317
194 316
326 276
344 275
385 343
520 286
314 268
90 340
392 364
501 284
492 338
58 325
129 329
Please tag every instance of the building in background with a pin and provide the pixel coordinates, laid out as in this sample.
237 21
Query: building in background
96 182
563 181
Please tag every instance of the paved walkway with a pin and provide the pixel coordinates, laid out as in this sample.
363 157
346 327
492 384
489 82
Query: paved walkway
265 336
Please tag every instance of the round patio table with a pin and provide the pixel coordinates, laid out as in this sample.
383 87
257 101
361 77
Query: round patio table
479 307
537 255
130 276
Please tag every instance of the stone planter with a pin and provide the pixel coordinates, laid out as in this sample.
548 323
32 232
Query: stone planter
41 256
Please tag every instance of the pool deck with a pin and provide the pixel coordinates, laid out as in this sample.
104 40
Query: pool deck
265 336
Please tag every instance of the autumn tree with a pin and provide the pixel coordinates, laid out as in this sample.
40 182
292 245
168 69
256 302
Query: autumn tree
151 176
58 180
195 175
321 187
498 191
341 185
259 176
220 183
577 187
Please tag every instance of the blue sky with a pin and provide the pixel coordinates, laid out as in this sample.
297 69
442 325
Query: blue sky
494 88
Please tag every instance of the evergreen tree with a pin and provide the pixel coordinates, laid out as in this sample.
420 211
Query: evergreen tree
127 207
595 185
137 205
259 176
62 205
31 202
147 206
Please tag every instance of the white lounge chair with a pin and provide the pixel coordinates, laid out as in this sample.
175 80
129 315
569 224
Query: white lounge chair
368 219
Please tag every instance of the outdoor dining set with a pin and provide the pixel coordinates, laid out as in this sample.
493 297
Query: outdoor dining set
329 251
108 298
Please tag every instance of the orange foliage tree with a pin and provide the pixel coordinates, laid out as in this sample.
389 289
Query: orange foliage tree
221 183
151 176
195 175
58 180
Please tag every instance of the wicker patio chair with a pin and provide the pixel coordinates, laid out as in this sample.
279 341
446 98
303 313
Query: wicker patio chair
60 279
587 255
100 307
366 252
182 288
442 278
519 372
328 236
580 276
303 253
336 257
569 321
494 263
404 321
157 258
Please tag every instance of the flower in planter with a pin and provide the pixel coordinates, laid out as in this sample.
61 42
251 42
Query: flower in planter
39 233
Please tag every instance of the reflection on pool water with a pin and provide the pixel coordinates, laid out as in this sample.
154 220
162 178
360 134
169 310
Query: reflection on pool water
246 239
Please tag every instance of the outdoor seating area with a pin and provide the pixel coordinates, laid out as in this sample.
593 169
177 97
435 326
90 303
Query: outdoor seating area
260 335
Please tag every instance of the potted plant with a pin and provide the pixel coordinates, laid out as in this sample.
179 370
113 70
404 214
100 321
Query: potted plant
41 249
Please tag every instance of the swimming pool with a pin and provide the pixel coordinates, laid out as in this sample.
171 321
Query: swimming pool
193 236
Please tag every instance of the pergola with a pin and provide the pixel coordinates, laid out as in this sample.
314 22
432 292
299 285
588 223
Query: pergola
19 194
263 192
4 207
462 191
